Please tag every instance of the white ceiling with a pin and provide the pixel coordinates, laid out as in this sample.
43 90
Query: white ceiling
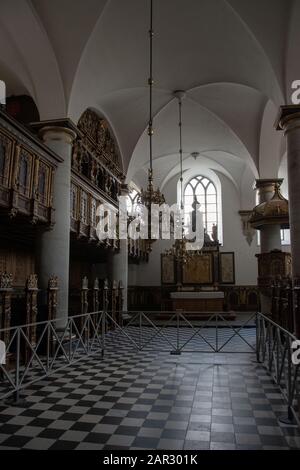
234 58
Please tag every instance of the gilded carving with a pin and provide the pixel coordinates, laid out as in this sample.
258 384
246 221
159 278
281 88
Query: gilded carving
95 153
31 313
32 282
6 280
26 178
53 282
97 131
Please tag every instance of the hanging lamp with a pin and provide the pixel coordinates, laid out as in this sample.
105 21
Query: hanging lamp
150 195
179 248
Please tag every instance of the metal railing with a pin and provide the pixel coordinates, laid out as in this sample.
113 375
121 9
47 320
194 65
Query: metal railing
91 333
179 332
53 350
171 332
274 350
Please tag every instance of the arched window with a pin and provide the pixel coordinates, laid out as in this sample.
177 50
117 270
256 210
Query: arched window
203 190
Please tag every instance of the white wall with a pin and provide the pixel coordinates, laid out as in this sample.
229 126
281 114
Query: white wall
233 240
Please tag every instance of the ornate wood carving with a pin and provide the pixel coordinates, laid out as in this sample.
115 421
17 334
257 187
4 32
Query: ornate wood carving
52 297
84 295
105 300
26 177
237 298
31 291
18 261
6 280
98 137
96 295
6 149
96 156
275 264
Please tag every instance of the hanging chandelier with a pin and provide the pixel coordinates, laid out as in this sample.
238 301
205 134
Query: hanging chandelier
179 248
150 195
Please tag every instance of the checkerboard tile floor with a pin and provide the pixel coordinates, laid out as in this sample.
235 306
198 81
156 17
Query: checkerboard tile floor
151 400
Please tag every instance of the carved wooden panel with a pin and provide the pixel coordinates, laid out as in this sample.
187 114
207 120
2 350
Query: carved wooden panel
199 270
6 149
19 262
25 171
44 183
26 177
100 137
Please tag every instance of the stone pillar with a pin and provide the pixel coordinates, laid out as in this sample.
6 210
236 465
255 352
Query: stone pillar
289 121
269 216
270 238
118 262
54 245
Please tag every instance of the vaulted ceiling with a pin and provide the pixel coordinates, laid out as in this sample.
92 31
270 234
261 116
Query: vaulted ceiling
235 59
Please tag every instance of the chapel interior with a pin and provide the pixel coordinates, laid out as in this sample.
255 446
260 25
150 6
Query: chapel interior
216 123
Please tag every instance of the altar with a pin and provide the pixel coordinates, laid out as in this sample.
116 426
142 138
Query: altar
205 301
196 286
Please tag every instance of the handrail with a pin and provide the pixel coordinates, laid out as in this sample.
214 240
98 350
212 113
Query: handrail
262 315
90 333
274 350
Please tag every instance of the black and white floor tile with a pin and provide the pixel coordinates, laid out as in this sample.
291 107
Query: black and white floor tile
151 400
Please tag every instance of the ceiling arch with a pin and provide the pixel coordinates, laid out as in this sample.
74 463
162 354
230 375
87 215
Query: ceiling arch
33 52
235 59
204 131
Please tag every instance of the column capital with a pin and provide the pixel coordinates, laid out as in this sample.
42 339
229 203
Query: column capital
56 129
288 118
57 133
266 182
124 189
266 187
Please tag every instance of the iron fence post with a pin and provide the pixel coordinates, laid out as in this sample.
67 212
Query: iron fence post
217 338
257 329
70 342
177 351
16 395
140 331
103 326
289 418
48 347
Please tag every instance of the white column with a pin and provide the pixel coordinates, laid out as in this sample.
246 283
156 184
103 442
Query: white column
289 121
119 269
118 262
54 245
270 237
